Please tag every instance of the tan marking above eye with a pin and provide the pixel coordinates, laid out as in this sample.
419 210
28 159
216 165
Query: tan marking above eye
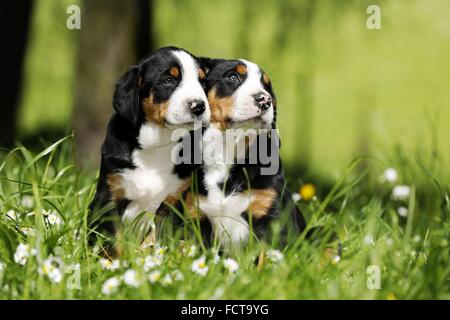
174 72
155 112
201 74
241 69
266 78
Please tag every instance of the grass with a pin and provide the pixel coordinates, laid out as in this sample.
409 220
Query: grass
412 253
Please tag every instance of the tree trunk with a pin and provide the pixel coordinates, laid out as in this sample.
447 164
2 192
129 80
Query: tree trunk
114 35
15 18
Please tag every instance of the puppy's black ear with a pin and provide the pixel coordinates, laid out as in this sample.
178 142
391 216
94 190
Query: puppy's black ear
208 63
126 95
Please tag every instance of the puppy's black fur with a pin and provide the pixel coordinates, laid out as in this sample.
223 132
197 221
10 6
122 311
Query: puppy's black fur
242 177
149 75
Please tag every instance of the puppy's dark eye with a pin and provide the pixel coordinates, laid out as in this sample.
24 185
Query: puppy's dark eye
232 76
168 81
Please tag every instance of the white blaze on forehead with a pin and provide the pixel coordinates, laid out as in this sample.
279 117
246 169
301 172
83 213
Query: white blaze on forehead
253 80
189 71
188 89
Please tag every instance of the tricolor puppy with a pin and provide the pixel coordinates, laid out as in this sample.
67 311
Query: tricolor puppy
163 92
233 193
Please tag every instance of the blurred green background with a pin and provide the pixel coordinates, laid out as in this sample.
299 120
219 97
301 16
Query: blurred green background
343 90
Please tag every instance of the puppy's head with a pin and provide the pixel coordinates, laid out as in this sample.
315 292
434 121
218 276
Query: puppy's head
240 95
165 88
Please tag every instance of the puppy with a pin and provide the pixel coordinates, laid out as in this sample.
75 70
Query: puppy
163 92
235 191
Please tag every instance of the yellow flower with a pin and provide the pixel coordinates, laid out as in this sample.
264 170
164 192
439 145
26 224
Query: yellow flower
391 296
307 191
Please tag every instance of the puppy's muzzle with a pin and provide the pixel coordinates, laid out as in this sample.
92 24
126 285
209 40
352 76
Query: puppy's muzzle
263 100
196 106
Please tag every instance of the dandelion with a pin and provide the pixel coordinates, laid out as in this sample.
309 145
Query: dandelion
199 266
178 275
152 262
296 197
389 175
110 265
130 277
274 256
12 215
191 251
23 251
231 265
401 192
110 286
154 276
27 202
391 296
307 192
167 280
402 212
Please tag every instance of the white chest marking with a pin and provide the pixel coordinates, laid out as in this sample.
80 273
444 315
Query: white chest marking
149 184
224 212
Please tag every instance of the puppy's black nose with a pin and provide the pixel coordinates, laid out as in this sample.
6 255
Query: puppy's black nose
197 106
263 100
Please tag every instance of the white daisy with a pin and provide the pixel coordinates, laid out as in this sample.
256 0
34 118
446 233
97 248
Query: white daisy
402 212
368 239
130 277
191 251
154 276
12 215
199 266
389 175
296 197
178 275
50 269
274 256
110 265
110 286
216 259
28 231
389 242
336 260
52 218
152 262
231 265
160 250
166 280
401 192
27 202
23 251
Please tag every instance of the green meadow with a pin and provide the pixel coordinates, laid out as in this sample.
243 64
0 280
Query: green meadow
362 116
